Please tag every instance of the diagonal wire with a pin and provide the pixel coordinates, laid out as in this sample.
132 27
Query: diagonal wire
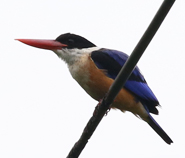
120 80
139 50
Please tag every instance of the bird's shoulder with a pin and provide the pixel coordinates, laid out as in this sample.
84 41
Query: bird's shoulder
112 61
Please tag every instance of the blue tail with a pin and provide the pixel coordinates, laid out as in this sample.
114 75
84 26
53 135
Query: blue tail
159 130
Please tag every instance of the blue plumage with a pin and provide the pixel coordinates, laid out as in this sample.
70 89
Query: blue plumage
112 61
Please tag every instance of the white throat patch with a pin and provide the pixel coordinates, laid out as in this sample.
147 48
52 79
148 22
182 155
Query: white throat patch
70 56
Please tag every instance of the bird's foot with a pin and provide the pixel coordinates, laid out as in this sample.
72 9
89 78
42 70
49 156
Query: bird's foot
98 105
96 108
106 113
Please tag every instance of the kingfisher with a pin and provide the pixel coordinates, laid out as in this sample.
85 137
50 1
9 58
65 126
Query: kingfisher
95 69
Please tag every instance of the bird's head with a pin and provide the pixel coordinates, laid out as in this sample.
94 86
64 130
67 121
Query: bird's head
66 46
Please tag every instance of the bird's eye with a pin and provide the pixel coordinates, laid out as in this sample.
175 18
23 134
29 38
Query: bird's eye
71 41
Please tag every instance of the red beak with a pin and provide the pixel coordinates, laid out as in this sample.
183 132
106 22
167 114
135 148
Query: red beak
44 44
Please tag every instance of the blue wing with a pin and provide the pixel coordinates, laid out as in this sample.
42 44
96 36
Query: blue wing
112 61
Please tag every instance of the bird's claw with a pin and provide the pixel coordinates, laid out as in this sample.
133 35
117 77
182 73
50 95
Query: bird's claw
107 111
97 106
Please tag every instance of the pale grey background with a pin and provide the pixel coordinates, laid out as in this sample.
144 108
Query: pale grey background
43 110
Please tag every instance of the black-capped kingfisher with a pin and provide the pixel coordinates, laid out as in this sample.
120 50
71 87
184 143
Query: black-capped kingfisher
96 68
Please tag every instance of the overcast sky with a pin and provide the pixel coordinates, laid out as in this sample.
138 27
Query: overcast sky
43 110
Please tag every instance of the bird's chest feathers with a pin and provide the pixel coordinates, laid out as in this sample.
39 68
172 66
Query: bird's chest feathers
80 70
90 78
84 71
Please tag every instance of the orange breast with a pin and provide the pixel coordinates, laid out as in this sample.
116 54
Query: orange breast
98 85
